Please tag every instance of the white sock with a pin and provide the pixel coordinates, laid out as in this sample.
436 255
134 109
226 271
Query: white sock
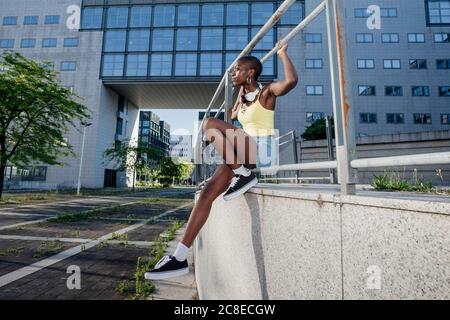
181 252
243 171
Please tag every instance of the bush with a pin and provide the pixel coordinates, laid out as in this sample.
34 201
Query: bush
317 130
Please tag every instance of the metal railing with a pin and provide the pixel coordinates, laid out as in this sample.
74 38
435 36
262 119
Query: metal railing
346 162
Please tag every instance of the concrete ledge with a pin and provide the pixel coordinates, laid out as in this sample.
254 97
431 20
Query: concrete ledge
310 242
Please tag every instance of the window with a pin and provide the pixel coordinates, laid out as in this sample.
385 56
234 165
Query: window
137 65
6 43
442 37
48 65
188 15
420 91
138 40
68 66
119 126
366 64
162 40
140 16
444 91
164 16
364 38
212 15
113 65
261 12
30 20
313 38
416 37
161 65
237 38
10 20
392 64
389 12
313 64
28 43
418 64
49 42
71 42
237 14
438 12
115 41
117 17
186 64
92 18
393 91
187 39
32 173
368 118
361 13
443 64
52 19
294 15
445 118
314 90
395 118
390 38
366 90
312 117
422 118
211 64
211 39
268 69
266 43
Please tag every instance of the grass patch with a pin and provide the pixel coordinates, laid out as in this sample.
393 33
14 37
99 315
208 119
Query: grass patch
393 181
12 251
47 248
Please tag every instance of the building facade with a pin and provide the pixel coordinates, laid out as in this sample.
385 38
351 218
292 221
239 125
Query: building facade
154 133
129 55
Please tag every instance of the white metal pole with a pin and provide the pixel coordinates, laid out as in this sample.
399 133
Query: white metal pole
81 161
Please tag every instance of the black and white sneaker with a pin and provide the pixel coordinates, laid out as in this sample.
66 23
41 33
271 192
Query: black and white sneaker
239 185
167 267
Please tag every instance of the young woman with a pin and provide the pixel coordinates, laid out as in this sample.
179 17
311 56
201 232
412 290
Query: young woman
239 147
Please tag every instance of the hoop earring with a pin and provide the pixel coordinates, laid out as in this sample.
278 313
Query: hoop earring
248 82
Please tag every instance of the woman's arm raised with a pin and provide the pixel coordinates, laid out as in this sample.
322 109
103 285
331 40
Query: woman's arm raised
280 88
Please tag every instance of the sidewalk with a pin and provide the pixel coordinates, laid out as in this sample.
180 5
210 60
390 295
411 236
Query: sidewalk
180 288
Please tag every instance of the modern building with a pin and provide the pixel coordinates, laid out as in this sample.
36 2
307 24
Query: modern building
129 55
181 147
154 133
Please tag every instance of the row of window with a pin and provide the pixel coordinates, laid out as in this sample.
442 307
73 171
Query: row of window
30 20
46 43
185 15
64 66
395 37
391 118
390 91
385 13
414 64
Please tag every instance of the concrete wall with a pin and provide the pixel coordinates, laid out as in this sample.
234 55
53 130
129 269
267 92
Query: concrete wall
312 243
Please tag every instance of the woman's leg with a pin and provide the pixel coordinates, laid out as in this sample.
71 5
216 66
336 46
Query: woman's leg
218 184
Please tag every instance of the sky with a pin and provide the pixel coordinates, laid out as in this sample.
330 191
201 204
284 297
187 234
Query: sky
178 118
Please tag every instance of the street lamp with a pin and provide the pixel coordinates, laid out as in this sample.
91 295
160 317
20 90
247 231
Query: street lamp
85 125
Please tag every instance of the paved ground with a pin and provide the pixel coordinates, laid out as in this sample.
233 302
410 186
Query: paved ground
104 245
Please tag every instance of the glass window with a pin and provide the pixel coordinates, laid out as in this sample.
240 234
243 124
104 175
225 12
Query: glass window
390 38
68 66
71 42
187 39
443 64
92 18
237 38
30 20
161 65
366 64
416 37
444 91
364 38
49 42
294 15
442 37
445 118
266 43
417 63
312 117
314 90
212 14
137 65
422 118
212 39
420 91
361 13
395 118
230 57
140 16
211 64
52 19
115 41
389 12
313 64
117 17
188 15
6 43
394 91
164 16
368 117
113 65
438 12
10 20
261 12
391 64
186 64
237 14
138 40
28 43
366 90
162 40
313 38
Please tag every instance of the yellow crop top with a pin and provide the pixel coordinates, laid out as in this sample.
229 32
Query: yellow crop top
257 120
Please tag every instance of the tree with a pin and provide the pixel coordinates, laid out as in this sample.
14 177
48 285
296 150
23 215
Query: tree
317 130
175 169
36 112
129 157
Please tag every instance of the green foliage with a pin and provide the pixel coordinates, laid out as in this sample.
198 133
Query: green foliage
392 181
317 130
175 170
36 112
